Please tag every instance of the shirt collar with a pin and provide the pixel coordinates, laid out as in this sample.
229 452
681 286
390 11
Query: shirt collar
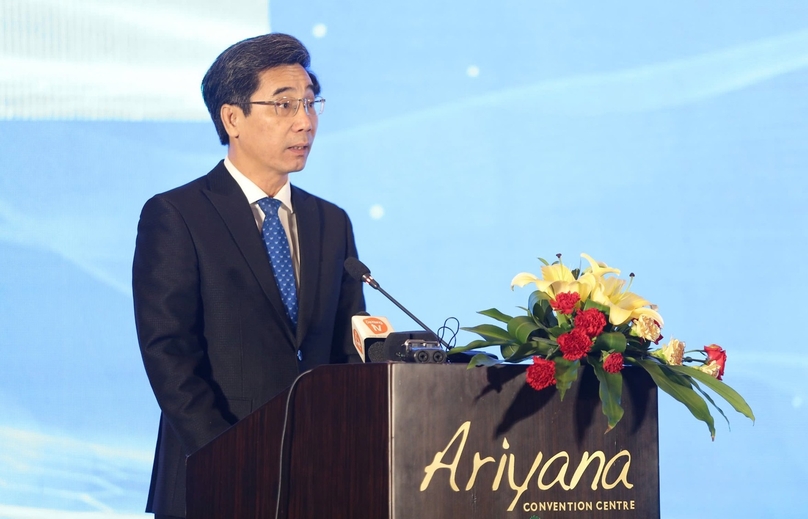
255 193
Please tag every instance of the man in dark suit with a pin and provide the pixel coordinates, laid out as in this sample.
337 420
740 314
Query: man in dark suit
233 301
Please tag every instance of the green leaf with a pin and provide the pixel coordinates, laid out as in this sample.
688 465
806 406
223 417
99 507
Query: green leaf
566 373
709 399
491 333
518 352
493 313
481 359
546 263
610 341
536 297
543 346
521 327
683 393
558 330
473 345
507 350
686 380
564 321
611 390
539 305
591 304
534 307
723 390
638 346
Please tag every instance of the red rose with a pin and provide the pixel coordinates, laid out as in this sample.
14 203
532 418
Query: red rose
613 363
541 373
591 322
565 302
575 344
717 353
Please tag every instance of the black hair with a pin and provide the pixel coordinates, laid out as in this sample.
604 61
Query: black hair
233 77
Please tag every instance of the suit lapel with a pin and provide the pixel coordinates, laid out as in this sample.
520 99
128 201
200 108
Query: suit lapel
231 204
309 239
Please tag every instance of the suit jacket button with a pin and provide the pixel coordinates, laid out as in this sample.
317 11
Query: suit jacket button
300 355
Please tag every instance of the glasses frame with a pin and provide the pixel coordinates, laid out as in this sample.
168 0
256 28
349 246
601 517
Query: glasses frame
308 105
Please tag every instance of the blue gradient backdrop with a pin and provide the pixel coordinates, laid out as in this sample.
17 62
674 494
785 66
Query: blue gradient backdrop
465 139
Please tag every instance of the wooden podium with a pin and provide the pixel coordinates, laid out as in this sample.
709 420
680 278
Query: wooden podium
418 441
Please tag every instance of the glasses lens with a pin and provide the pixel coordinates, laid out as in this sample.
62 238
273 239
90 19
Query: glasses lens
286 106
318 105
314 106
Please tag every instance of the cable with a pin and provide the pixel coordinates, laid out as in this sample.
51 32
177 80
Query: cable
454 328
283 443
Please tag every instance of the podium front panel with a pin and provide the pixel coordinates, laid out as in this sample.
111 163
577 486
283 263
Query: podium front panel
481 444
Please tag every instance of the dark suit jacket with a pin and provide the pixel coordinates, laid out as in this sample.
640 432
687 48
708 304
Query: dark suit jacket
214 335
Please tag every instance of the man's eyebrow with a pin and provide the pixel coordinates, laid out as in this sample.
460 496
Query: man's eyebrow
281 90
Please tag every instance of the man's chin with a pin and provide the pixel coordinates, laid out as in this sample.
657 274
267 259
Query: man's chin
294 168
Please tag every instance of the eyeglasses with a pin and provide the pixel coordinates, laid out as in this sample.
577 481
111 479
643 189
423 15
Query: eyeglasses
287 106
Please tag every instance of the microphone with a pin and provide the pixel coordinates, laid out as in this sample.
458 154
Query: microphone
360 272
375 341
368 333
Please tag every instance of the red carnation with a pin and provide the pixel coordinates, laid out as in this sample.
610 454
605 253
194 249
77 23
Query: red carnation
541 373
575 344
591 321
613 363
717 353
565 302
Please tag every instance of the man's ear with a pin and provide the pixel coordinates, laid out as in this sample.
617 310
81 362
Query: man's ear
232 116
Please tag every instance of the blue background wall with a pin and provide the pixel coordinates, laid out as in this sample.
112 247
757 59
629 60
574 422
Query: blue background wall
465 139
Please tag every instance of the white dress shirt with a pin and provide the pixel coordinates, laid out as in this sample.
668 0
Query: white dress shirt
286 211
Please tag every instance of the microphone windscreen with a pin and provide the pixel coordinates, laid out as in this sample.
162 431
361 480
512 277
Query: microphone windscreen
377 351
356 268
367 329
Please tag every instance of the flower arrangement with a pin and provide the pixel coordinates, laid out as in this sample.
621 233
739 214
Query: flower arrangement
589 316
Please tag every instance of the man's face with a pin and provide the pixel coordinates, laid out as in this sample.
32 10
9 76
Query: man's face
264 143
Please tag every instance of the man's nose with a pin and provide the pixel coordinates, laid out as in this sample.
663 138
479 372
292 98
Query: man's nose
303 120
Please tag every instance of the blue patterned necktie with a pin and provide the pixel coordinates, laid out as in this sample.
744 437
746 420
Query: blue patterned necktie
277 245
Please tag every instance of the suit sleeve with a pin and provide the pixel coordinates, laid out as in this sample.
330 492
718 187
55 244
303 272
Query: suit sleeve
351 302
168 317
